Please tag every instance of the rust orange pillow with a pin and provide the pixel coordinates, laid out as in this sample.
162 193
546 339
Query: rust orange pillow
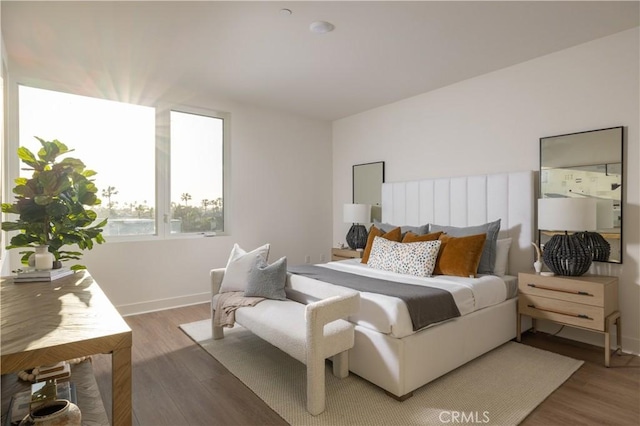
394 235
459 256
410 237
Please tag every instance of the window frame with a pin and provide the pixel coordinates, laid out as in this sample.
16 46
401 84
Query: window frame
162 176
166 162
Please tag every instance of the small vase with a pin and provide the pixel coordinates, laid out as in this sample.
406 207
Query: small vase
56 413
537 265
43 260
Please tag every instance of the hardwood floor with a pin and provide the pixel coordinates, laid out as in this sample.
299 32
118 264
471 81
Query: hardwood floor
175 382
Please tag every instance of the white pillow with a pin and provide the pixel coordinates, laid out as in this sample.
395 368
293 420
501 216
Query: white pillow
502 257
239 266
417 259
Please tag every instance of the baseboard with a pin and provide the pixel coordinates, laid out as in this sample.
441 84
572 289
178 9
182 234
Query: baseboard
162 304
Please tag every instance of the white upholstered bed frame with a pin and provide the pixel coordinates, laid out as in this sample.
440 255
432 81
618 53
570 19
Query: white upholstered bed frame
402 365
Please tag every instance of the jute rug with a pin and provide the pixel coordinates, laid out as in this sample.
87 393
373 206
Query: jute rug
500 388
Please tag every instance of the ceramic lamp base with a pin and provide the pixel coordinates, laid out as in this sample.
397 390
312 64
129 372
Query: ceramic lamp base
357 237
567 255
598 246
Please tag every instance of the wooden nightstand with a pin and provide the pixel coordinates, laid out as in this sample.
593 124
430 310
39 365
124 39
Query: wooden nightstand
345 253
589 302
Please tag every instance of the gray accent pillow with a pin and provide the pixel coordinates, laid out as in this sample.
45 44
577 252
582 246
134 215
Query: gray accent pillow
386 227
488 258
267 280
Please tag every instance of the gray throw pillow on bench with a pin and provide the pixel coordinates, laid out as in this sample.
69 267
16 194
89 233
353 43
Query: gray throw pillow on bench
266 280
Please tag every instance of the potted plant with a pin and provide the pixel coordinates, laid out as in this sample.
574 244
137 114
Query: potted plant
51 205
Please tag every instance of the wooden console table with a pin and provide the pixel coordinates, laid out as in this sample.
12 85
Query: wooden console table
43 323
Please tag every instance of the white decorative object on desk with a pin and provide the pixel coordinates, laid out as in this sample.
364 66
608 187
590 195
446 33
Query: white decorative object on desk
43 259
537 265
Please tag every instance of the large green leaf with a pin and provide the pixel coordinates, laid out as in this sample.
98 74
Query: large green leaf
57 209
28 158
51 150
72 163
12 226
24 240
30 211
43 200
9 208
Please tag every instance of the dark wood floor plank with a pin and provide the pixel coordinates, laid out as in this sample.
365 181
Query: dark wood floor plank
153 403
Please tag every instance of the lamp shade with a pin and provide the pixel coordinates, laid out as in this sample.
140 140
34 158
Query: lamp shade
357 213
567 214
605 214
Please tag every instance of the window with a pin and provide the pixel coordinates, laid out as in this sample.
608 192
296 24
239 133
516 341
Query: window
196 173
120 141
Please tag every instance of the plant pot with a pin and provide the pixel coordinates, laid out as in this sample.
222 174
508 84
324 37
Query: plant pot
42 259
55 413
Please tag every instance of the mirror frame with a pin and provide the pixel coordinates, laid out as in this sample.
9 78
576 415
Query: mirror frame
375 173
575 136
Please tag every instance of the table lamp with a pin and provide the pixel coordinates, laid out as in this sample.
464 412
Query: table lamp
357 214
567 254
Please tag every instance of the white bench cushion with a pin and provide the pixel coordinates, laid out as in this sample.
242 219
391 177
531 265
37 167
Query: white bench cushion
292 337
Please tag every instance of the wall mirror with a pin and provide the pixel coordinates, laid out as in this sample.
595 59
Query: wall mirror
367 186
587 165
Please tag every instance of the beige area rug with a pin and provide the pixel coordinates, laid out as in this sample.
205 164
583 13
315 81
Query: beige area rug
500 388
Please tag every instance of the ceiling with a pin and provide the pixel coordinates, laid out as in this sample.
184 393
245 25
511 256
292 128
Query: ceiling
250 52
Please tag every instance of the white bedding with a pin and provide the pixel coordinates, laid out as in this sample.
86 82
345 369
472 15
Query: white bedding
389 315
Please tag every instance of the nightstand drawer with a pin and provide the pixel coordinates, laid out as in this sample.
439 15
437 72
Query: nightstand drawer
577 314
562 288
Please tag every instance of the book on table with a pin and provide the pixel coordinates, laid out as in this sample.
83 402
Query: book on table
60 375
58 366
34 275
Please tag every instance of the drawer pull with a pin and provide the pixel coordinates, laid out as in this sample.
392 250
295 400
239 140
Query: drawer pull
542 287
583 316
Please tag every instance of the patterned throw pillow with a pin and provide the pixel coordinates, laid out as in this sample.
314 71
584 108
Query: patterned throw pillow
417 259
393 235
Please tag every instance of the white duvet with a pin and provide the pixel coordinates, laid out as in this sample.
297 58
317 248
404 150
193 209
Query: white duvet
389 315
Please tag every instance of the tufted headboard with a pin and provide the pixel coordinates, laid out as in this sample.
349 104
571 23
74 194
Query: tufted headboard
468 201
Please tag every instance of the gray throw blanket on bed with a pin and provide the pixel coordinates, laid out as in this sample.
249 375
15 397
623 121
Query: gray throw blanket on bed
426 305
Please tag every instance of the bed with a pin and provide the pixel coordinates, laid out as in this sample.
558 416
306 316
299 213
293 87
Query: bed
388 351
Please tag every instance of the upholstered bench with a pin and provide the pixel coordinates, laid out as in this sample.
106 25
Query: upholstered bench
309 329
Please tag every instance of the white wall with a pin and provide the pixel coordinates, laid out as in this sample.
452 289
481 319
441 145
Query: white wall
493 123
3 177
280 193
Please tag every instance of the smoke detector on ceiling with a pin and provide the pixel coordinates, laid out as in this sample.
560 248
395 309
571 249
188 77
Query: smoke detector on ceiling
321 27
